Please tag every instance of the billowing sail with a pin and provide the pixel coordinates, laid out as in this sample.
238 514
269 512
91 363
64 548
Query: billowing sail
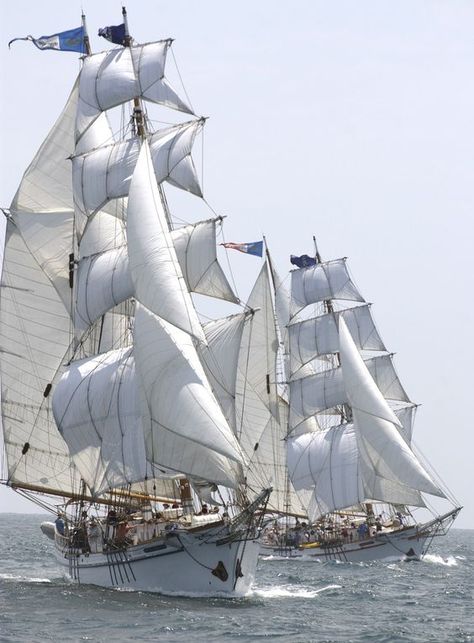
104 279
114 77
96 410
376 424
329 463
328 280
327 389
187 431
105 173
156 275
319 335
220 357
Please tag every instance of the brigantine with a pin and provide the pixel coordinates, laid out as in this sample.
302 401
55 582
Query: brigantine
349 428
118 405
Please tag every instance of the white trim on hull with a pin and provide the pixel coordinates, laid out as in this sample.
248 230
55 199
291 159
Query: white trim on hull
181 564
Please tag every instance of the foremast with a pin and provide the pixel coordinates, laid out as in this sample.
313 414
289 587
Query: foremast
94 337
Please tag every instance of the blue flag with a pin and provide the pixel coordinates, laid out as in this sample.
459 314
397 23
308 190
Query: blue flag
115 34
305 261
72 40
252 248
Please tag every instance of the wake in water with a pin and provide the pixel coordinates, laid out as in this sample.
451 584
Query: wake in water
290 591
23 579
450 561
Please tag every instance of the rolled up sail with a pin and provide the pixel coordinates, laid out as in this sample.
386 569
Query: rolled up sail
113 77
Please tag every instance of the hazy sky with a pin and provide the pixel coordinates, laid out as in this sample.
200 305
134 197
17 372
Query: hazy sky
349 120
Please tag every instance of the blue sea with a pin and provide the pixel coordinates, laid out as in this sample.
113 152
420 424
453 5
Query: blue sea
293 600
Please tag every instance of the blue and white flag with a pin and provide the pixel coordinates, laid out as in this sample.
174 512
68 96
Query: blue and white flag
115 34
252 248
72 40
304 261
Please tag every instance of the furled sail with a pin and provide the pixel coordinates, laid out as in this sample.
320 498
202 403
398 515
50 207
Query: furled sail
105 173
114 77
156 275
324 281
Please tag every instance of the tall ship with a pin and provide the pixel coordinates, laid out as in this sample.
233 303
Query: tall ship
118 402
350 456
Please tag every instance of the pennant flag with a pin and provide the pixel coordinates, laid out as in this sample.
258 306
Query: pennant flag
253 248
305 261
72 40
115 34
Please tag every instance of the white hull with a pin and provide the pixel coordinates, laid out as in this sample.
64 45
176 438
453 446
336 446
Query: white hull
183 563
410 543
402 545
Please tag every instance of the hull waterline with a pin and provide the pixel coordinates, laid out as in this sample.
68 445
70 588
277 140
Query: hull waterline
183 564
410 543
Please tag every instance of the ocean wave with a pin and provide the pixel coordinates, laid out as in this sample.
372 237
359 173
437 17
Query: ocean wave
23 579
289 591
450 561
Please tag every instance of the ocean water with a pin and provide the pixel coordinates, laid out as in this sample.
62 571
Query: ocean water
293 600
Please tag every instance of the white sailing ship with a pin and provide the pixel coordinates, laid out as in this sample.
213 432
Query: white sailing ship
118 403
349 432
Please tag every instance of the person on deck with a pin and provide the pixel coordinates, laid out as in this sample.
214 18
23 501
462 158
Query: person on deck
60 525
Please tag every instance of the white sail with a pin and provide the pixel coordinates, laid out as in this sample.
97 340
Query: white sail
258 353
113 77
328 280
268 466
156 275
34 341
105 173
219 359
325 390
103 232
319 335
195 247
103 280
43 201
96 410
184 414
46 184
376 425
328 463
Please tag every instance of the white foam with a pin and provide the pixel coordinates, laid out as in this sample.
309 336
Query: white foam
289 591
450 561
24 579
